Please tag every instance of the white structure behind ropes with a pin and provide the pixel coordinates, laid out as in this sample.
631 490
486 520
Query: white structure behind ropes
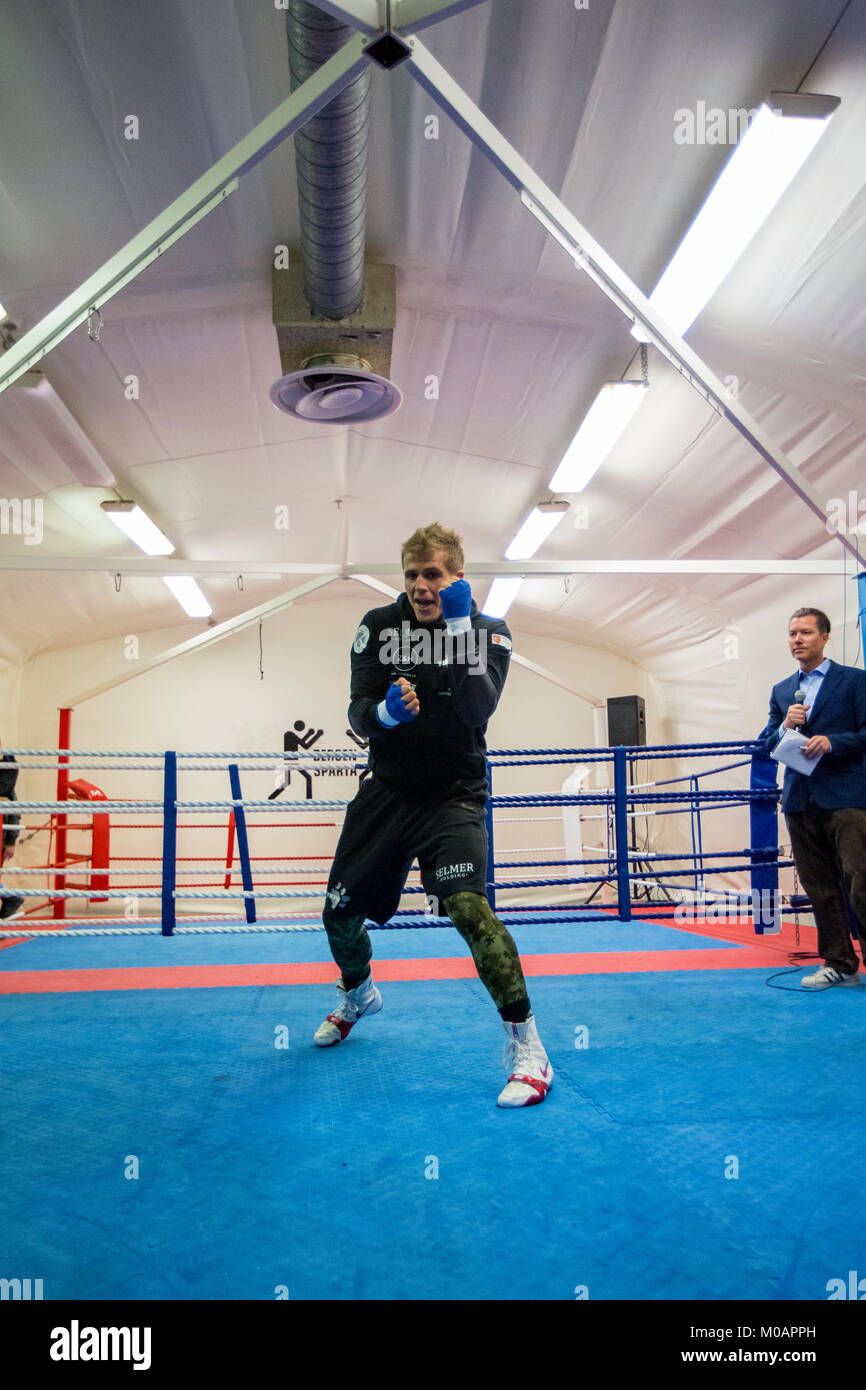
671 574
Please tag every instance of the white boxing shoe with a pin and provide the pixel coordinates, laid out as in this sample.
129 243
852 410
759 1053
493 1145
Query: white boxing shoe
354 1004
525 1058
827 976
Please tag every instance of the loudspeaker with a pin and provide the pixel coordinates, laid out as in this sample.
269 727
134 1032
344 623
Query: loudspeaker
626 721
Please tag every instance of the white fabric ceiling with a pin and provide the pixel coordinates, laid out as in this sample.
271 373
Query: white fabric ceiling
521 342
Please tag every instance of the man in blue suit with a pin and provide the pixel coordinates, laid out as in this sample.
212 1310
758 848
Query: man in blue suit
826 811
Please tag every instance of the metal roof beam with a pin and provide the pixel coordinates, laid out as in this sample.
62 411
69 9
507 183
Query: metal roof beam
590 257
363 15
410 16
181 215
142 565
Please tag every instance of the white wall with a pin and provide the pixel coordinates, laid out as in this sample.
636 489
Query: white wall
10 692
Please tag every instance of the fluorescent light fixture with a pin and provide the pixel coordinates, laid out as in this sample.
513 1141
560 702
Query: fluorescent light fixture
188 595
58 428
779 140
502 594
3 314
602 426
138 526
536 528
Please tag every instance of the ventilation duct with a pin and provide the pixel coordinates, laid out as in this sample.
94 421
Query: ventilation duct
331 161
334 325
335 386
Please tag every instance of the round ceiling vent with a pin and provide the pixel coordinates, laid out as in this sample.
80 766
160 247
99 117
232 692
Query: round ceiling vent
336 387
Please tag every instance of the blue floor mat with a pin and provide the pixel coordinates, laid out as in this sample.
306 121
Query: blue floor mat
383 1169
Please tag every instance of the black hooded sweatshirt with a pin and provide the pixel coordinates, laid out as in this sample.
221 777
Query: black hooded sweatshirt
458 680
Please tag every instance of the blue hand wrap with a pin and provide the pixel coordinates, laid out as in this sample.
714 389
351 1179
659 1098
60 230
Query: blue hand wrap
392 710
456 600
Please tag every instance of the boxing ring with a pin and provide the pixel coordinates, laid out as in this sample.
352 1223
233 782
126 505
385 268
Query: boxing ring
171 1132
617 862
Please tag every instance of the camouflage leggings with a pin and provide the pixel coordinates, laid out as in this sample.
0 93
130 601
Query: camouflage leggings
489 940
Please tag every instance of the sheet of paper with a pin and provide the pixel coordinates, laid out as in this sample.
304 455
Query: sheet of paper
788 751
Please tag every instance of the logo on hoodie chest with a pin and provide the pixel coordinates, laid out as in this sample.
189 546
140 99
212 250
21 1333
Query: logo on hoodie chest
407 649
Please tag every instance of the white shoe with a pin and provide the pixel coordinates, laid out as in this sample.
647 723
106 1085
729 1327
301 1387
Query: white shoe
354 1004
525 1058
827 976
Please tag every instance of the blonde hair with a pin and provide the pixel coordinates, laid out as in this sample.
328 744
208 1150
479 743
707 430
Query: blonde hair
422 543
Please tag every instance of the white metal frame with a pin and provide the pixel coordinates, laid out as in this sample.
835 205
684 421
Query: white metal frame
183 214
403 16
367 16
375 17
411 16
142 565
591 258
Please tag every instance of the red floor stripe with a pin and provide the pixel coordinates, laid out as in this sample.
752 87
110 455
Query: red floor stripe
324 972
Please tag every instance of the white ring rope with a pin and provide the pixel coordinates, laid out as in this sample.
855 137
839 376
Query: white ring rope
282 756
106 870
284 764
241 927
105 808
103 894
157 931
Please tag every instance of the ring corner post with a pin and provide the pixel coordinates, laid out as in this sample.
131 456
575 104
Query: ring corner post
169 845
764 844
243 842
58 910
861 594
620 826
488 816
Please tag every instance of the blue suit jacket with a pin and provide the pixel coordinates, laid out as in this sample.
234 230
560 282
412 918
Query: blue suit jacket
840 713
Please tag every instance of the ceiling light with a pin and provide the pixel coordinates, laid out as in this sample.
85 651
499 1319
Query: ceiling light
536 528
3 314
138 526
502 594
58 428
776 144
603 424
188 595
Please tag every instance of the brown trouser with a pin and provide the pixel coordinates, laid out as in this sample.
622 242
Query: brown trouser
829 850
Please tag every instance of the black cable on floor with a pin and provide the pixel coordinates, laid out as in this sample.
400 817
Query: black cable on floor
794 957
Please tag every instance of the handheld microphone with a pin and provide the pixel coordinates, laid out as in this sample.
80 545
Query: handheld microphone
800 699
